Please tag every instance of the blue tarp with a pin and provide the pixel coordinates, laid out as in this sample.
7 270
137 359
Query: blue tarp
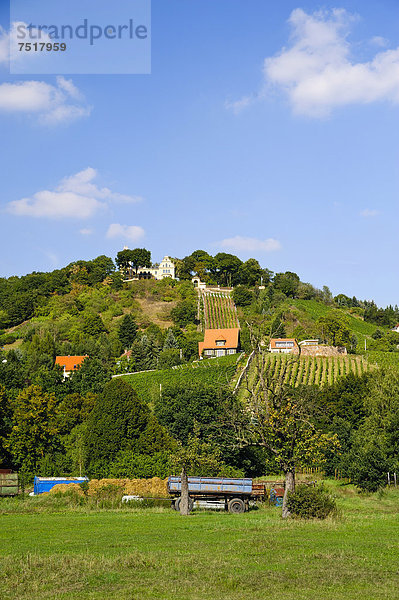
44 484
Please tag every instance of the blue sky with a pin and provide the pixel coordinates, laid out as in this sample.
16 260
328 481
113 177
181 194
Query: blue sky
265 129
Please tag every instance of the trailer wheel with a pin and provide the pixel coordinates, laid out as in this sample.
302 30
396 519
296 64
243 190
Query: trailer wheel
236 505
177 504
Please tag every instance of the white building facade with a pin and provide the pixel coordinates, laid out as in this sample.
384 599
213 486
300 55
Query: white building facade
166 268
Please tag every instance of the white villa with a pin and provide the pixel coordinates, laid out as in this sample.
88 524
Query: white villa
166 268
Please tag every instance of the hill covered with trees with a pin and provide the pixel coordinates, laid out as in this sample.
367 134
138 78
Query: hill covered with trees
151 328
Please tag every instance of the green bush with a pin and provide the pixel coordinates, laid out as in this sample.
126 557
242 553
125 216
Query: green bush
308 502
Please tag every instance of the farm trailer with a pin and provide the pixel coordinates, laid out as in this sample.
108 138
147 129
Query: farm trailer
9 484
45 484
235 493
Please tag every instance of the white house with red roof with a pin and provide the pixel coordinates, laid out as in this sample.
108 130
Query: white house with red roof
283 346
219 342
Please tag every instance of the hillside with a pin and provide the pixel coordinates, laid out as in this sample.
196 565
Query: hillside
307 312
79 310
217 371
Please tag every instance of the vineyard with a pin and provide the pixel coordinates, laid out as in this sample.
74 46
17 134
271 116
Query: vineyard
219 310
317 371
217 371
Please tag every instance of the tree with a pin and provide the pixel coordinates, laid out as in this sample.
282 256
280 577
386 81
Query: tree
251 272
196 455
169 358
120 421
226 268
123 259
34 432
334 328
93 325
5 424
170 341
12 369
242 296
100 268
181 406
281 419
90 377
127 331
184 312
140 257
73 410
287 283
116 421
375 447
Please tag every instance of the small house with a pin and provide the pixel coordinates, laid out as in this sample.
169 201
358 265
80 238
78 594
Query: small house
309 343
283 346
69 363
219 342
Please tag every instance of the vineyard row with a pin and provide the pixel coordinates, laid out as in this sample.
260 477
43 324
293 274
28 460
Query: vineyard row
314 370
219 311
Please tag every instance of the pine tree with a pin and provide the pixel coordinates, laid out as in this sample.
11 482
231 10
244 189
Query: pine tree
127 331
170 341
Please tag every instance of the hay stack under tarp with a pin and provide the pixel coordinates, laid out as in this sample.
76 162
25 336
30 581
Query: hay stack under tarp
66 487
145 488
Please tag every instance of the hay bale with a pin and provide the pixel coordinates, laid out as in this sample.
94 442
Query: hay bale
67 487
96 485
145 488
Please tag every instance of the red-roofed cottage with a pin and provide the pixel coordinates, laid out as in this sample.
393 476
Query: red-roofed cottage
69 363
219 342
283 346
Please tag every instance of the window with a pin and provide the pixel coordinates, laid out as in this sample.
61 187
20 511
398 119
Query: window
284 344
220 342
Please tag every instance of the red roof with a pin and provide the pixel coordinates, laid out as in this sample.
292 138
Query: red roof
292 343
230 336
70 363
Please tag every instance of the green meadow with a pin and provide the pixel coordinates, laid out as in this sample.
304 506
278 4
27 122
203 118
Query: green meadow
51 549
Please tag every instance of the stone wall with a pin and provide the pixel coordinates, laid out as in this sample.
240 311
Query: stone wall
323 351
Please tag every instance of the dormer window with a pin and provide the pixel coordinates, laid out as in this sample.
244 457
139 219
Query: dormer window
220 342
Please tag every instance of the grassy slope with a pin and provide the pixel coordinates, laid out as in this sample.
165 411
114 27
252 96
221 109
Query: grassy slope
315 310
311 310
213 371
155 553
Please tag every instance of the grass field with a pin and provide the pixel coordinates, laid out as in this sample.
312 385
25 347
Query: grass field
157 554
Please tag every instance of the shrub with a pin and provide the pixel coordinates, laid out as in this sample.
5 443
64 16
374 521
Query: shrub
308 502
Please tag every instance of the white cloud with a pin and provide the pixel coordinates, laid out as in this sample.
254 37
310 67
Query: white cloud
369 212
247 244
10 39
51 104
377 40
239 105
85 231
75 196
133 233
317 72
